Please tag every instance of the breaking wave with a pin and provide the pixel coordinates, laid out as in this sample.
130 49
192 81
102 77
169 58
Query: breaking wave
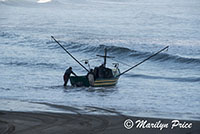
28 3
28 64
178 79
125 52
43 1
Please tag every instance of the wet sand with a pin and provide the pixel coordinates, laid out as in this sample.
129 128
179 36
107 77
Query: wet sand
63 123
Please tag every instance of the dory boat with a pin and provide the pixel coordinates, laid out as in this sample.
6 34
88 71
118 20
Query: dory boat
99 77
99 82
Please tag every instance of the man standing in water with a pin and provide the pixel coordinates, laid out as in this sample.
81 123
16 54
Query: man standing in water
67 75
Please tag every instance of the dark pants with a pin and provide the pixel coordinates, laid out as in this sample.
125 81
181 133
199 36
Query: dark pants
66 78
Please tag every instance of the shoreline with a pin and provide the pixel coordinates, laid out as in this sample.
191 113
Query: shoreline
28 106
62 123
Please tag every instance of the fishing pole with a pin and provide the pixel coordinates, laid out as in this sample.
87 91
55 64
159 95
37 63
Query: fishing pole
69 54
143 61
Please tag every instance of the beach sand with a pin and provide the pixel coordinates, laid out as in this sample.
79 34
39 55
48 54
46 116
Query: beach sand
64 123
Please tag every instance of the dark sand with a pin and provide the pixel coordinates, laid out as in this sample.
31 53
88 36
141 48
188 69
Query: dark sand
62 123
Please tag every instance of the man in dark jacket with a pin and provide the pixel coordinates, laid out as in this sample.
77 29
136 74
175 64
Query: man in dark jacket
67 74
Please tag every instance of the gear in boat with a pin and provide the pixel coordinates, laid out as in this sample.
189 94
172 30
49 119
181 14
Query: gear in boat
99 76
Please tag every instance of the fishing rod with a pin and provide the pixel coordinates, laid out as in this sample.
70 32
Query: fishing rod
143 61
69 54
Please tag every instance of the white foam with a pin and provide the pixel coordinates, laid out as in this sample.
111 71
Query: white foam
43 1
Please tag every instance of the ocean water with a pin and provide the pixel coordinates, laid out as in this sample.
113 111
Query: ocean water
32 64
